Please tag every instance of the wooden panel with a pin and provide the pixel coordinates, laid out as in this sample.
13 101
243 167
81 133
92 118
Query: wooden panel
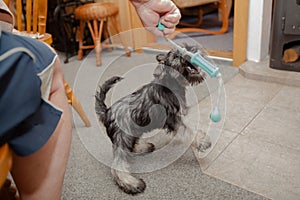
240 32
220 53
133 31
141 36
124 14
123 20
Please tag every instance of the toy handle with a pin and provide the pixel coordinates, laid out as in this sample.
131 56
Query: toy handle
160 26
209 68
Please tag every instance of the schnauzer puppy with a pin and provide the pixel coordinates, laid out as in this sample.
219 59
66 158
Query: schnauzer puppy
137 114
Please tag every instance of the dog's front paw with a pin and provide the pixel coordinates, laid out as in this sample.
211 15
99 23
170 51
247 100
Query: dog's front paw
204 145
127 182
133 188
202 141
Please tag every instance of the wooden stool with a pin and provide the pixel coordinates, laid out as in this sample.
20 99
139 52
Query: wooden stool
98 14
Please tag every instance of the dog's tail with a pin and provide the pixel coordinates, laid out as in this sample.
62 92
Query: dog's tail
100 106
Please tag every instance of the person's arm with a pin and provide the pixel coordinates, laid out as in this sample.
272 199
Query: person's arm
151 11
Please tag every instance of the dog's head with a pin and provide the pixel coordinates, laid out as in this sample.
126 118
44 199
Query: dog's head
174 65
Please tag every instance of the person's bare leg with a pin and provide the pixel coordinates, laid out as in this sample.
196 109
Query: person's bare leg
41 175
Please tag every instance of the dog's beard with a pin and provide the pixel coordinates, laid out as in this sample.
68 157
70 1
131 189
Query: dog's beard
193 76
179 68
184 76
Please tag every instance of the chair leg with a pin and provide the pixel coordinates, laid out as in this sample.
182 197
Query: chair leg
222 6
225 14
77 106
7 190
72 100
198 23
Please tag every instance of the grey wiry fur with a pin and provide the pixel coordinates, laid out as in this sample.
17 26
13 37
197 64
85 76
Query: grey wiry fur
157 105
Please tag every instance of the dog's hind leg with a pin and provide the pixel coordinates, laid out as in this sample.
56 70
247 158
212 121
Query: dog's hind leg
198 138
121 175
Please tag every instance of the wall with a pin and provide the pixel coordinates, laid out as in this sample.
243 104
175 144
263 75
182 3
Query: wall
259 28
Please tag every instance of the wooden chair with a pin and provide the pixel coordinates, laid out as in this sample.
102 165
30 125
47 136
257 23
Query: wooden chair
223 8
35 25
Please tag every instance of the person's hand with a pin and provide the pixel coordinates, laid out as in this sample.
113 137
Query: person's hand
151 11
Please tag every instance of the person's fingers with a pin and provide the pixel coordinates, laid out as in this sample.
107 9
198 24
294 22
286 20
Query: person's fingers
172 18
170 25
152 11
168 31
157 32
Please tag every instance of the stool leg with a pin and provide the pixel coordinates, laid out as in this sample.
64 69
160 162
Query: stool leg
118 28
98 42
96 35
106 35
81 33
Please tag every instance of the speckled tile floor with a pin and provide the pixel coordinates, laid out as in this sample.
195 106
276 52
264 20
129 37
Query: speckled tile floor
259 148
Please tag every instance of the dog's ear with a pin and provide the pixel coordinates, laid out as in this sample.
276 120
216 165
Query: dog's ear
161 57
159 71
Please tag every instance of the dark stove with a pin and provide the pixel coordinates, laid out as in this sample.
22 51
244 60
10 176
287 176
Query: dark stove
285 33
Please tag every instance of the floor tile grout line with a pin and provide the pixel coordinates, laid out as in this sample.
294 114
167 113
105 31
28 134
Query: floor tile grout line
243 187
237 134
260 111
240 132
